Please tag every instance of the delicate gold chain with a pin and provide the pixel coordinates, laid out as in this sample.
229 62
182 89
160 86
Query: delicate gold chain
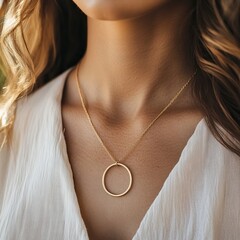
144 132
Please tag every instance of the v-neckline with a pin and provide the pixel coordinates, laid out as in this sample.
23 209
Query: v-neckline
161 191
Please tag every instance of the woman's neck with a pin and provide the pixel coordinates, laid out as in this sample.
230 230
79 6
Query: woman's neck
137 64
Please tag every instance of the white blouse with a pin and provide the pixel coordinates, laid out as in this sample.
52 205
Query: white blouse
199 200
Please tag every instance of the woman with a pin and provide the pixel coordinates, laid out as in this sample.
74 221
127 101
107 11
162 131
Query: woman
120 120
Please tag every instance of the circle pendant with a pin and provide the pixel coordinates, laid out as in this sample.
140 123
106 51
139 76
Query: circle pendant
104 176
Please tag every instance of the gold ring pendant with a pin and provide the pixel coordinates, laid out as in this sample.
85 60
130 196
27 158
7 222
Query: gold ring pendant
104 176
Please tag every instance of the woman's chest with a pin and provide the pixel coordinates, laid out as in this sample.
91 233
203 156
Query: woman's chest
105 216
108 217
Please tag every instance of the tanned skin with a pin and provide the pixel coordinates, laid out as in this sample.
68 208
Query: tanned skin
138 56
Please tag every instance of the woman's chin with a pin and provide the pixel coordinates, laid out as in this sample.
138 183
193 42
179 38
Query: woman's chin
103 10
117 9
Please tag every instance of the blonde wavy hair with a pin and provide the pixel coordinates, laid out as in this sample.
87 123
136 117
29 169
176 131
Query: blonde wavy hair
35 35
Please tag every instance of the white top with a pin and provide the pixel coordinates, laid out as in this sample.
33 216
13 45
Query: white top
199 200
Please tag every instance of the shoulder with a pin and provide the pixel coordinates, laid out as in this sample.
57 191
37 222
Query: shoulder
214 148
218 159
33 111
39 107
43 96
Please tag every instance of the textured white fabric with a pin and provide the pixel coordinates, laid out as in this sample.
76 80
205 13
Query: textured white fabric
200 198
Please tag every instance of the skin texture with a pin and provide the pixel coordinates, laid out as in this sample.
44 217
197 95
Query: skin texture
120 10
137 58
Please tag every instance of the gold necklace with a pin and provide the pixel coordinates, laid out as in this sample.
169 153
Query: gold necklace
116 162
